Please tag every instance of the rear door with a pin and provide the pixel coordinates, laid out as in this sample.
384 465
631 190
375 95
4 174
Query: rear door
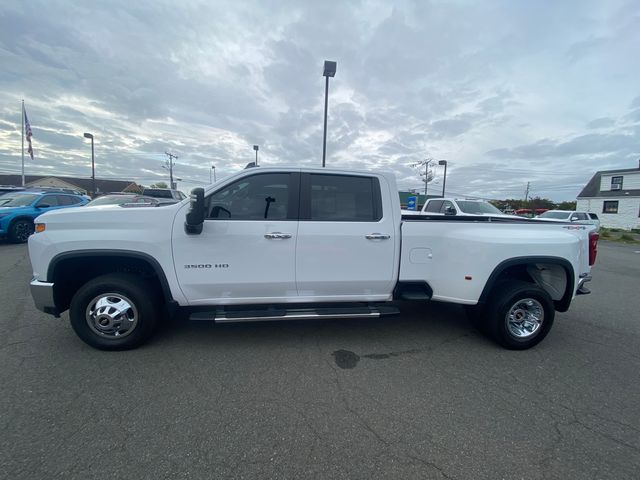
346 242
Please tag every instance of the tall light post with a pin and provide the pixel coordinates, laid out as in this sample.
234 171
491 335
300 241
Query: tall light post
213 168
329 71
93 165
444 180
256 148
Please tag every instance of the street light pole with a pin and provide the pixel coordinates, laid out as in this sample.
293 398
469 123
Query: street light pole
255 147
93 165
444 180
213 168
329 71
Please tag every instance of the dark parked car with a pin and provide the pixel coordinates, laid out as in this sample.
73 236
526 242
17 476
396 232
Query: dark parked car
164 193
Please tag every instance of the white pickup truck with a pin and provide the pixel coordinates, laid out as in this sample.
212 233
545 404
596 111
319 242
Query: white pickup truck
297 243
456 206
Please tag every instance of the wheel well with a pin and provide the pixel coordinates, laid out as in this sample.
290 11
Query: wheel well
16 219
553 276
70 273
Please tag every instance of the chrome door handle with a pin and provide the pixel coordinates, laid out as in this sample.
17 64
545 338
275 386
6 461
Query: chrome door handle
377 236
277 235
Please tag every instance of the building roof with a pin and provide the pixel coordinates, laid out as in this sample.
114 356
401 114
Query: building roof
592 188
102 185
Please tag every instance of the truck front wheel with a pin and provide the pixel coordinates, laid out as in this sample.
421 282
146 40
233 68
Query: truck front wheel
114 312
519 315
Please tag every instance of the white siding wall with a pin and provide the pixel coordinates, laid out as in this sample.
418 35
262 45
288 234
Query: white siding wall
627 216
630 181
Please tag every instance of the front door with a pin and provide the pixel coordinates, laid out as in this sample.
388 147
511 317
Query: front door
246 250
346 243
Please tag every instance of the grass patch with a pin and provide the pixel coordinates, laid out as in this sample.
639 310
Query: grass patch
627 237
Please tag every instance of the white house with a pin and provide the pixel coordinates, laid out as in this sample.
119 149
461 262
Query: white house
614 195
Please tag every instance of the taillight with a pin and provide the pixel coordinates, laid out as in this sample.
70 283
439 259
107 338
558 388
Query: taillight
593 247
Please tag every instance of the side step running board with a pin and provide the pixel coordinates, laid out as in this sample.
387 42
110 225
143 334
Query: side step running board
221 315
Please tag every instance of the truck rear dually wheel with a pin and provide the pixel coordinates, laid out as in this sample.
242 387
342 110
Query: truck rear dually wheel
114 312
519 314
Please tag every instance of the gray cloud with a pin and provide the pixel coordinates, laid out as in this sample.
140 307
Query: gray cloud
476 84
603 122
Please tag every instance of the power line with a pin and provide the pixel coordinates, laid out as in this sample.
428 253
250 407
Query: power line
170 166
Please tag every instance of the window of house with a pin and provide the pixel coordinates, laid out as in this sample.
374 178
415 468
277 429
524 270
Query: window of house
615 181
610 206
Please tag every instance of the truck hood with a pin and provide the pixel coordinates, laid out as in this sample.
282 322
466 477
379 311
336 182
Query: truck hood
101 215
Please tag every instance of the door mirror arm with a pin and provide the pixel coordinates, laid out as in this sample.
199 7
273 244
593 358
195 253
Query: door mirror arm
195 216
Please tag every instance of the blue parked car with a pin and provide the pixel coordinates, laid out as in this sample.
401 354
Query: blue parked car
18 210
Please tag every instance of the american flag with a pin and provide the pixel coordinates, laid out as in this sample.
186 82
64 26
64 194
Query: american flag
27 129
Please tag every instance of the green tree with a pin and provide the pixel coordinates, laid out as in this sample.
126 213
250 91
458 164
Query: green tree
567 205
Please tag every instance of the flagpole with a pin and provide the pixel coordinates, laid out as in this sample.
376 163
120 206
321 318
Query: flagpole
22 143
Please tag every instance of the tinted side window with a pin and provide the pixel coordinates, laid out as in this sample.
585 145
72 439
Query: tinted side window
434 206
447 205
582 216
67 200
344 198
593 216
51 200
259 197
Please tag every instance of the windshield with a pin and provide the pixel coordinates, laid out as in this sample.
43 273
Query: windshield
20 201
558 215
477 207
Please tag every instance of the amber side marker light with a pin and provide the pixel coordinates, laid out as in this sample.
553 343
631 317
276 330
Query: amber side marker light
40 227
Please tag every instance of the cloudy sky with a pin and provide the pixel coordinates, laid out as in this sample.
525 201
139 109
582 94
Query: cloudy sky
506 91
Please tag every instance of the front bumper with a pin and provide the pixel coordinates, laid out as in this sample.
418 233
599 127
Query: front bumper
42 293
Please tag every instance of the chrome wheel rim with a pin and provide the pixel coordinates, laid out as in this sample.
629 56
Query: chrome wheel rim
23 231
524 318
112 315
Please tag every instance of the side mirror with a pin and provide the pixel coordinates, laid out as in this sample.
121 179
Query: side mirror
450 211
195 216
573 219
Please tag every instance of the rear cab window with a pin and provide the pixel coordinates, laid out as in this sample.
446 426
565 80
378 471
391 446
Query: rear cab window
340 198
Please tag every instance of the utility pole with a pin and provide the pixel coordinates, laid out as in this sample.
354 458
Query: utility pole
526 192
424 163
169 166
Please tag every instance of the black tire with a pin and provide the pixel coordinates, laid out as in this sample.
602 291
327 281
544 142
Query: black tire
134 290
20 231
522 299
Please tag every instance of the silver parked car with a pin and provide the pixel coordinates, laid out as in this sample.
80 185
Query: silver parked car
573 216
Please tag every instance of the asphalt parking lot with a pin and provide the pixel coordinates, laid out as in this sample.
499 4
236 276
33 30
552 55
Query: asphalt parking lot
421 395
